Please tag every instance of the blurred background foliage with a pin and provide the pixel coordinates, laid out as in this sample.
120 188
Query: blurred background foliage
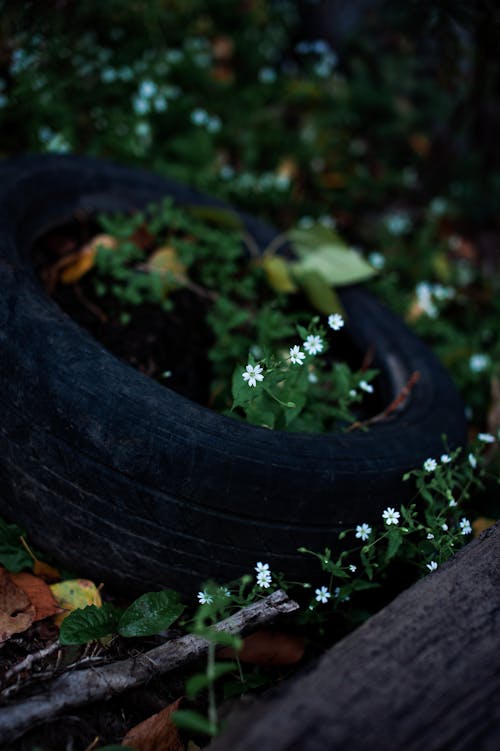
376 116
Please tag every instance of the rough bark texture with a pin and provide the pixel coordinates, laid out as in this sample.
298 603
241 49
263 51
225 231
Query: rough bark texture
423 674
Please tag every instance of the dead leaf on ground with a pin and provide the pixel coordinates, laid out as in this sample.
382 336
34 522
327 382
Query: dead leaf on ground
76 265
267 647
482 523
165 261
157 733
40 568
38 592
72 594
16 611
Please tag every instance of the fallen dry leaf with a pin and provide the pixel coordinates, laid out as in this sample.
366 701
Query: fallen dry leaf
482 523
73 594
16 611
165 261
266 647
38 592
157 733
45 571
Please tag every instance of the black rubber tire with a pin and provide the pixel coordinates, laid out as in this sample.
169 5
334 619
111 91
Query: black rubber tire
127 482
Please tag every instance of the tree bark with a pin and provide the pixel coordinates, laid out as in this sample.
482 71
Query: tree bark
421 675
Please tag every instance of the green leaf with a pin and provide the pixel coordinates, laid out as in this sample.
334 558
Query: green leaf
12 553
185 718
151 613
216 215
278 275
322 251
200 681
395 538
89 623
318 291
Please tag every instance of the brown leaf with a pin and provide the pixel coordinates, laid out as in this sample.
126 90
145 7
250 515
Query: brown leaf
39 594
16 612
266 647
157 733
482 523
45 571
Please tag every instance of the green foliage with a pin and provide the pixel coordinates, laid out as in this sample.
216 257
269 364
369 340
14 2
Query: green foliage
12 553
151 613
90 623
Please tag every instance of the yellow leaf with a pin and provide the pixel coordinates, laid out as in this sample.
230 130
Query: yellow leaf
165 261
73 594
77 264
278 274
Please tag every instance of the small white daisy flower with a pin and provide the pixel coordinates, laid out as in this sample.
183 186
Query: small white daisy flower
432 566
296 356
472 461
322 595
430 536
313 344
391 516
486 437
264 579
352 567
363 531
252 374
352 393
452 503
204 598
444 527
479 362
445 459
364 386
465 526
262 567
335 321
430 465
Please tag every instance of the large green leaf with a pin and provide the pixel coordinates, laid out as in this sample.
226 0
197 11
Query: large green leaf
90 623
319 293
151 613
322 251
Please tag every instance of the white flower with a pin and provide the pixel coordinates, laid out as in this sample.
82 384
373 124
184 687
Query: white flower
252 374
444 527
204 598
363 531
262 568
352 393
430 465
472 461
313 344
479 362
312 377
445 459
264 579
352 567
430 536
224 591
465 526
391 516
486 437
377 260
335 321
322 595
296 356
452 503
364 386
432 566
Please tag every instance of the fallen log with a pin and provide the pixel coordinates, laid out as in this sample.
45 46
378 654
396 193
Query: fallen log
421 675
101 683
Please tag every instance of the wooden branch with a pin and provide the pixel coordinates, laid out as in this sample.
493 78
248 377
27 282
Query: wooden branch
421 675
101 683
392 407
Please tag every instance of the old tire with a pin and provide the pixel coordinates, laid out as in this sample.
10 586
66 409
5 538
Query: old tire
127 482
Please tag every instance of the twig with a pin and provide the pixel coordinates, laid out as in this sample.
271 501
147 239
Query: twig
30 659
84 686
397 402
